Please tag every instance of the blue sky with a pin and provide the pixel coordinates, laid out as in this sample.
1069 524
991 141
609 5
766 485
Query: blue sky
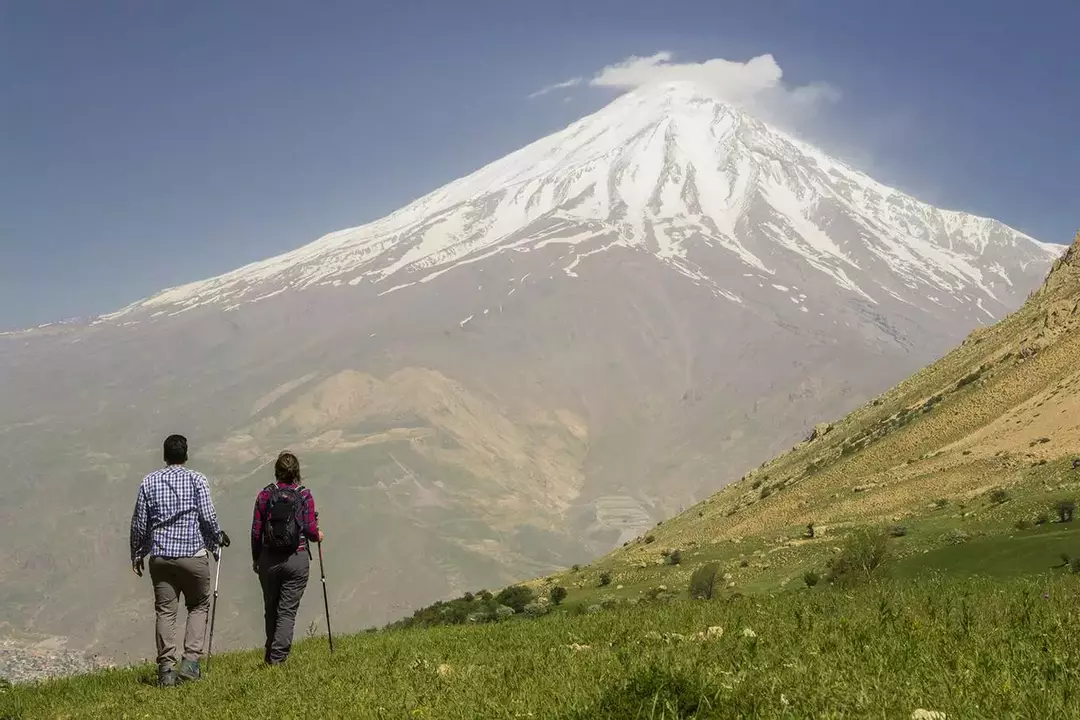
147 144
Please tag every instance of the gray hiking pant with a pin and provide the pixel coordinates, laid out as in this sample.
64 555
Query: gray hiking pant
173 577
283 580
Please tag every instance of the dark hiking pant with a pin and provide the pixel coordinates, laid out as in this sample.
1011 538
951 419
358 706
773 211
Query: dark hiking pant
283 580
173 577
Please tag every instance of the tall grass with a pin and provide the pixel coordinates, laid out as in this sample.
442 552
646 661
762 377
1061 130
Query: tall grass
970 648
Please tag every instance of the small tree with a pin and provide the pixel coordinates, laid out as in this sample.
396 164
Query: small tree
558 594
516 597
810 578
675 557
1065 510
605 578
863 553
703 581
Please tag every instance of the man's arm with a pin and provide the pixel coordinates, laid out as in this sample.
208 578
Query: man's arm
208 521
139 527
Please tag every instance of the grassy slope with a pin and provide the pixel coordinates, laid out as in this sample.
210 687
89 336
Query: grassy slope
983 627
949 646
1000 411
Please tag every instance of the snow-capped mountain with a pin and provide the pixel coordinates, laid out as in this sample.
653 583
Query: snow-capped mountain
675 173
515 372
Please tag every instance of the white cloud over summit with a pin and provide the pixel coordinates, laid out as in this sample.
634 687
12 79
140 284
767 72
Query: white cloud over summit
755 85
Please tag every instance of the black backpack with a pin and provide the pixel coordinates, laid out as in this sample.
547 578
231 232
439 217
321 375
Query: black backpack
281 525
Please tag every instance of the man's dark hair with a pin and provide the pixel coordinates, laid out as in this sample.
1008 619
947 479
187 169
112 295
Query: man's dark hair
175 450
287 468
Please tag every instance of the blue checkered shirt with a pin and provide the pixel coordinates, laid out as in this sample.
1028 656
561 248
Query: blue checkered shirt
174 516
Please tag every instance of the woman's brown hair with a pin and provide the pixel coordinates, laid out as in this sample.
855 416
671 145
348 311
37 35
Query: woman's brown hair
287 468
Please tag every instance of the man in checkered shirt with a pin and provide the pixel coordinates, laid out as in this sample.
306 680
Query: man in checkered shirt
174 523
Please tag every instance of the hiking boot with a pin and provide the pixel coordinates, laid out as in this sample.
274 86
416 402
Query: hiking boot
189 670
166 677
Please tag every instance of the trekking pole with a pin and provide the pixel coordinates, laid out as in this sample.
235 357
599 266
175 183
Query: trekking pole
326 602
223 542
213 612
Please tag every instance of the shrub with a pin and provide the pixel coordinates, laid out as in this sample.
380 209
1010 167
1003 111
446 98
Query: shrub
605 578
703 582
810 578
897 531
649 539
665 552
1042 519
756 484
765 492
744 563
1022 525
503 612
558 594
516 597
940 503
999 495
675 557
576 568
956 537
468 597
1065 510
810 531
536 609
863 553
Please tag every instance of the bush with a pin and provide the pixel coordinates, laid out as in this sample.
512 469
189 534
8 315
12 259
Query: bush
744 563
516 597
675 557
575 568
1042 519
765 492
863 553
703 582
649 539
605 578
536 609
810 531
940 503
811 578
558 594
756 484
1065 510
897 531
956 537
1022 525
999 495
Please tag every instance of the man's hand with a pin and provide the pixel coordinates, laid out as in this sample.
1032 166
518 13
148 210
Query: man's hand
320 537
223 539
137 567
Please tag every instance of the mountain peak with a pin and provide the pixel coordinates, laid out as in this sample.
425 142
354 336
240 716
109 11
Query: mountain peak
672 171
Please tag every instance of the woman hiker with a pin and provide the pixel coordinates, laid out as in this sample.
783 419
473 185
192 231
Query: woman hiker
284 523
